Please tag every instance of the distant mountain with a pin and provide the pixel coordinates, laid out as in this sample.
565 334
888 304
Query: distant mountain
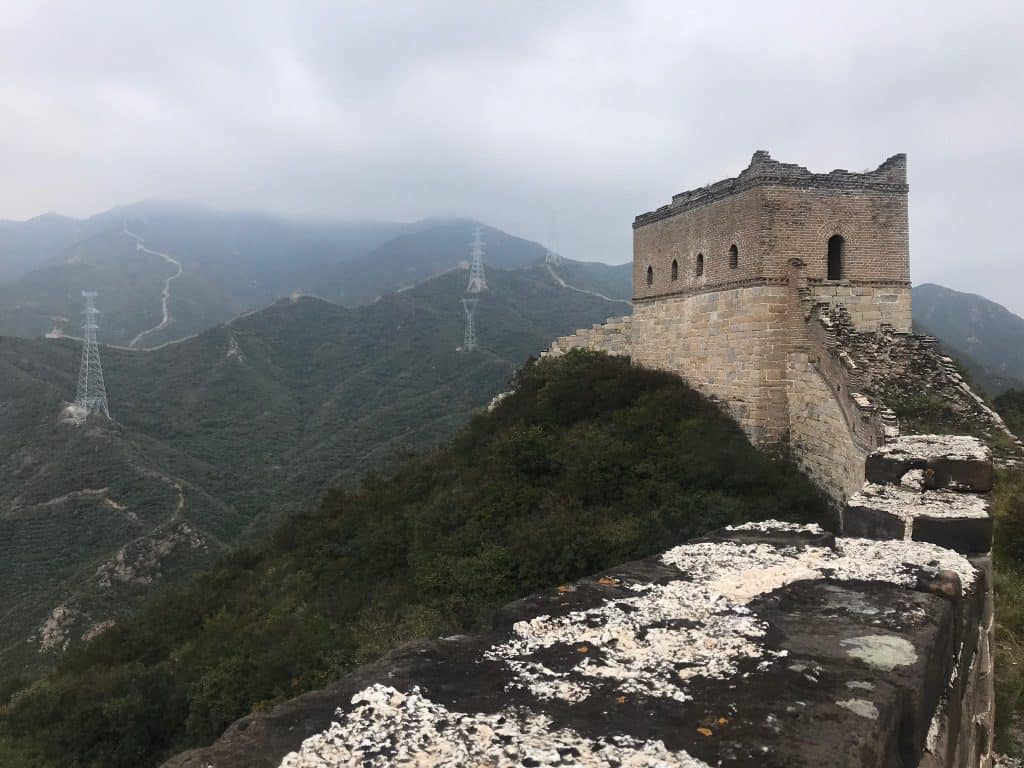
230 263
411 258
25 245
219 265
986 337
219 437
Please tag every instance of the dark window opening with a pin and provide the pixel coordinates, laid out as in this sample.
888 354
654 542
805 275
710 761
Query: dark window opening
734 256
835 257
700 264
650 275
675 269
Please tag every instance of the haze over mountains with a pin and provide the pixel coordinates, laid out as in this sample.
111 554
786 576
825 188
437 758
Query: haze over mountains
986 337
229 263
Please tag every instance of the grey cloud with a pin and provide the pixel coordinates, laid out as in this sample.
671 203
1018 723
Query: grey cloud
518 112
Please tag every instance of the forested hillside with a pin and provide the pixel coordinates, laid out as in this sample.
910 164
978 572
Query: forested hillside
984 336
217 439
590 462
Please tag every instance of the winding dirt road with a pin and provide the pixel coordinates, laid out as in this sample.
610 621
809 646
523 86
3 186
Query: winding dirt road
139 245
557 278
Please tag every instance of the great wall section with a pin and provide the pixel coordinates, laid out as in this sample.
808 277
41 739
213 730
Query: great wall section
784 295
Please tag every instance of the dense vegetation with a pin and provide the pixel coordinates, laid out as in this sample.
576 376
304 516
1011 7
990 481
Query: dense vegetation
592 461
1008 509
252 420
1010 405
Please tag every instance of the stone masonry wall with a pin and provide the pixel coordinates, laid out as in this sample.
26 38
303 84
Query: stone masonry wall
731 345
934 489
767 644
612 337
821 441
773 213
870 305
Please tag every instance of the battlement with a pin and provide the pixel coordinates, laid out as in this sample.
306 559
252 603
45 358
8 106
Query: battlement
890 176
714 652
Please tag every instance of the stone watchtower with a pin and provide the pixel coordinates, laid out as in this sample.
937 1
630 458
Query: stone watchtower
721 274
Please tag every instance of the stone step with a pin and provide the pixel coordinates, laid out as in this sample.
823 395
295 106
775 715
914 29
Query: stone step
957 462
951 519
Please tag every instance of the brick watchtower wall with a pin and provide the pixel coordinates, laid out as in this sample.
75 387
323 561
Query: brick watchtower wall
711 275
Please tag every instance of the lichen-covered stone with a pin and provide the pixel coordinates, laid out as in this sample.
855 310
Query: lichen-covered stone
957 520
754 646
948 461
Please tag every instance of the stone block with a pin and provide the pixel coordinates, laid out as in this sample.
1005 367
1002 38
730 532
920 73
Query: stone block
866 521
962 534
948 461
952 519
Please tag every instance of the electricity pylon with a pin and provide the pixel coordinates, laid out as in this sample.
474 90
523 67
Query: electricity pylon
477 281
469 339
92 394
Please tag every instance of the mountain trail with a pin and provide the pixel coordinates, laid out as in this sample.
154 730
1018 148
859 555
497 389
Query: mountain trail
167 286
561 283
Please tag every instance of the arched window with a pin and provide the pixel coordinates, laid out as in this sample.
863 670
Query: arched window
650 275
734 256
700 264
836 246
675 269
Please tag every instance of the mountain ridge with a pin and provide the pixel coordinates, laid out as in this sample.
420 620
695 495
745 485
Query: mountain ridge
985 336
248 422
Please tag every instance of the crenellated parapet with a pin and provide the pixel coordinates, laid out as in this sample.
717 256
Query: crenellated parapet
890 176
769 644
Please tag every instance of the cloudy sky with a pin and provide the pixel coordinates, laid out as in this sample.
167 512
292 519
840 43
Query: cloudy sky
547 119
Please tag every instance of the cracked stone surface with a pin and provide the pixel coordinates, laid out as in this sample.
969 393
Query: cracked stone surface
761 645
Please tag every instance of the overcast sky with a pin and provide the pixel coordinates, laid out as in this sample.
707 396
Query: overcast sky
546 119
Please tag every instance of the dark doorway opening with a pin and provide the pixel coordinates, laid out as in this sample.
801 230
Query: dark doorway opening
835 257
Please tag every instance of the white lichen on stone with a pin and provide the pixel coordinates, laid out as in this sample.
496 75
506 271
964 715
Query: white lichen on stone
651 640
861 707
777 526
388 728
884 652
700 625
909 503
954 447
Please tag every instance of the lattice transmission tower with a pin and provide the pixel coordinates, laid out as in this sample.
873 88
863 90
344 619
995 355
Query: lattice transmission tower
552 256
477 280
92 394
469 339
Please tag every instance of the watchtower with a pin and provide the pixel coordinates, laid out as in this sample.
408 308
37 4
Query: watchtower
722 276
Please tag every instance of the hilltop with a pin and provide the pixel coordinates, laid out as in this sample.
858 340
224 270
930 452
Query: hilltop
983 335
216 439
591 461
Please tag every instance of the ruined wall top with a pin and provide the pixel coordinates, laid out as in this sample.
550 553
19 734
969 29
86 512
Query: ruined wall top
890 176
